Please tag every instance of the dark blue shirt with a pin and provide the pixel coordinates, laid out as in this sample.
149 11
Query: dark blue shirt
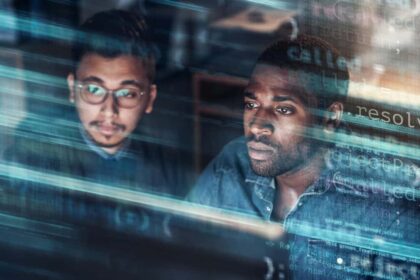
140 166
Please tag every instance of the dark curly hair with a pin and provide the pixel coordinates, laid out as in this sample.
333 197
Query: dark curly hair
324 70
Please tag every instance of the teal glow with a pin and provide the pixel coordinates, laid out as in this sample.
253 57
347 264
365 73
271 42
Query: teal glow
379 244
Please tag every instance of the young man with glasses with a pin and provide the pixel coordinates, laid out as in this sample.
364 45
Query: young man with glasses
112 82
112 87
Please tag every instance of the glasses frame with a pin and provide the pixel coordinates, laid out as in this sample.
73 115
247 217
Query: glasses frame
80 85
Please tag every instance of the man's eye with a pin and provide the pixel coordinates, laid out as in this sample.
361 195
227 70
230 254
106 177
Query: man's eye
95 90
285 110
127 93
250 105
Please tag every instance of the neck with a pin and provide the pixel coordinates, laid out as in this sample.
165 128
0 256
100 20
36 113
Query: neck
292 184
90 141
299 179
111 150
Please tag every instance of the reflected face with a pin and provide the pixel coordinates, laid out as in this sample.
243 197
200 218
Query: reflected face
276 116
108 123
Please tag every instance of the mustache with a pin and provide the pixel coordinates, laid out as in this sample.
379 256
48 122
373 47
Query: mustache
98 123
261 139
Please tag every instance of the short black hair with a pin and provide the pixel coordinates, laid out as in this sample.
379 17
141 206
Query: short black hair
114 33
325 72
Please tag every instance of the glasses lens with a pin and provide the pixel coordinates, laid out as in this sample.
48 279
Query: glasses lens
128 97
92 93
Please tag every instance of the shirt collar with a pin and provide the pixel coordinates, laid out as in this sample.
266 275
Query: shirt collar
94 147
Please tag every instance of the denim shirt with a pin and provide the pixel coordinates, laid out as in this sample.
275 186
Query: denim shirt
337 230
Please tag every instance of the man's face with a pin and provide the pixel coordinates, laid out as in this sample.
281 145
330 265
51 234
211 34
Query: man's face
276 115
107 123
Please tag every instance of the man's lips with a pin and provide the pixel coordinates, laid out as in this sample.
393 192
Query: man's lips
259 151
107 129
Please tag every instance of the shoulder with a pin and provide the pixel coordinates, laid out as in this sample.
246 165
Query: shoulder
28 151
44 152
375 191
369 188
224 176
231 162
372 174
232 157
39 143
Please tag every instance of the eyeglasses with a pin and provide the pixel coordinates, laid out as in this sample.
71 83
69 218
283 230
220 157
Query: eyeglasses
128 97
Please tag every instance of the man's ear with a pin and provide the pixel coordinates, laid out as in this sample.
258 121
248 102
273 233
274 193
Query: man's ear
152 97
70 84
333 116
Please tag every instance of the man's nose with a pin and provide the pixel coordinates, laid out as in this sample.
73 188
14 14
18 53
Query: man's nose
261 124
110 106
